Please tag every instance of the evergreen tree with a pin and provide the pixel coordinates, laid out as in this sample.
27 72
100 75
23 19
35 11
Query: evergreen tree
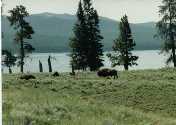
167 28
123 46
78 43
87 50
24 31
9 60
95 51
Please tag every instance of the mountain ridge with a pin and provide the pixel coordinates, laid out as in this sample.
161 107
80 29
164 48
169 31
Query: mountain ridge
57 29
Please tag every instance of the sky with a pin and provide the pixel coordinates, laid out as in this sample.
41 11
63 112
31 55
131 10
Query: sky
138 11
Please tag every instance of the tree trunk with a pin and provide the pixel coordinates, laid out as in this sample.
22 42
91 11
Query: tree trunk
40 66
22 56
126 58
126 67
73 70
126 53
49 64
10 70
174 56
173 46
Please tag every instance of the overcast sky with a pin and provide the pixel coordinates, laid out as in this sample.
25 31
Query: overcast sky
138 11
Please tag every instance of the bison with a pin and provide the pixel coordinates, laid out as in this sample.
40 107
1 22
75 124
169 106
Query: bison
108 72
55 74
27 77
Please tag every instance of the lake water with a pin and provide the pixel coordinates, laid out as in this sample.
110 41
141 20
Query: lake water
147 60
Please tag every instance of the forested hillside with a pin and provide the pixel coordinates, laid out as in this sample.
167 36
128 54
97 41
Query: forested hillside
52 33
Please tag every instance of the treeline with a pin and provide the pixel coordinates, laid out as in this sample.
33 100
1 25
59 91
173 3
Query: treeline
86 46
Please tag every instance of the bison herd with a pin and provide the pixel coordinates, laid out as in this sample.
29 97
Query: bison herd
108 73
101 73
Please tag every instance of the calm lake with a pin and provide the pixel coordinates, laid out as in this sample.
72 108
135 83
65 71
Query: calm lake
150 59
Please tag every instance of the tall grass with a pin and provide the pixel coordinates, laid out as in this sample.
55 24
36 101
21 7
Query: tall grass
145 97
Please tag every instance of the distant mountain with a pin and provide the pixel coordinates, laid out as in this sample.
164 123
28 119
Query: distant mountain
52 33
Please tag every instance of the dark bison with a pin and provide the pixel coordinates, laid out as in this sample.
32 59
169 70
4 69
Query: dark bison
56 74
107 72
27 77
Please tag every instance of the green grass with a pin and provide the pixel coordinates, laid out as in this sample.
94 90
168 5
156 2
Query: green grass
144 97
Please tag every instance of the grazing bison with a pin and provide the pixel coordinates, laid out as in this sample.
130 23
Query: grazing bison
107 72
56 74
27 77
72 73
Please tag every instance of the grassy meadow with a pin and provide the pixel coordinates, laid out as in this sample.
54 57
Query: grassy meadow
144 97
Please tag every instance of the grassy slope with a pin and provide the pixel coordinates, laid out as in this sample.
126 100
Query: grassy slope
137 98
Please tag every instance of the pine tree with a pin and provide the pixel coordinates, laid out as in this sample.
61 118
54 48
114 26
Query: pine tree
9 59
77 43
24 31
86 47
123 46
95 53
167 29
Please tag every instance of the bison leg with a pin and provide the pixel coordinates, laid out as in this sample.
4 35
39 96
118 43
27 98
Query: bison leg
115 76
